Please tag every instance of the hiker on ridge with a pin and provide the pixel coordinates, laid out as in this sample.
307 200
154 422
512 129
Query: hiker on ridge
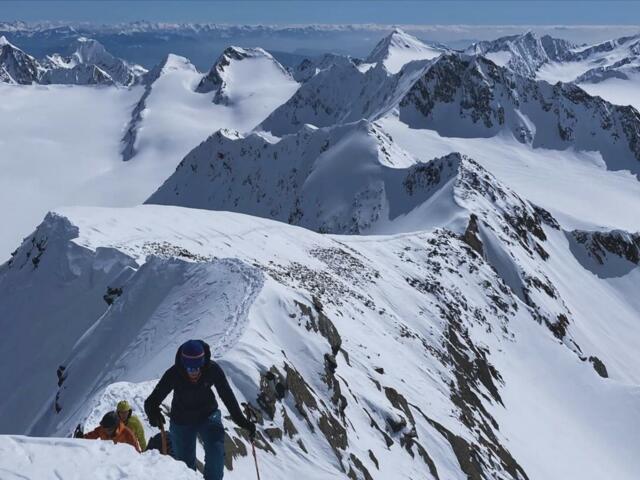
125 412
194 408
111 428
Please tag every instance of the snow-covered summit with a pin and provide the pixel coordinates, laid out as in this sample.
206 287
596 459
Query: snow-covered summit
16 66
90 63
399 48
170 63
237 69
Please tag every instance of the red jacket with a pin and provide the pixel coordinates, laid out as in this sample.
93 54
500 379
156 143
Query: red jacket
123 435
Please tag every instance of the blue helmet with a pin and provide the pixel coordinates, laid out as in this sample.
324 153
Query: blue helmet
192 354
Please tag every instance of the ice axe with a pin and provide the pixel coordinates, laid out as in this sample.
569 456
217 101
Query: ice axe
255 458
163 437
252 415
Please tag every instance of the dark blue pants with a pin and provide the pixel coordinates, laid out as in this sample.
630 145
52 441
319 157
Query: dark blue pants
211 431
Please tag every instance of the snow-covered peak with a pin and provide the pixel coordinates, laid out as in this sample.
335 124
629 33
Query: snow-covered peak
344 94
399 48
170 63
89 50
239 72
89 64
16 66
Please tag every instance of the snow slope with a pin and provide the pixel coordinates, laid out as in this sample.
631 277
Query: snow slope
468 344
67 459
50 152
565 182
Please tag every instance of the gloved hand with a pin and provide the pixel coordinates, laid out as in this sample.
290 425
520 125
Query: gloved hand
78 433
156 419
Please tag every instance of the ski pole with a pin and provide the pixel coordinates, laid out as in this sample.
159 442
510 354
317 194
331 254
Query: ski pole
255 458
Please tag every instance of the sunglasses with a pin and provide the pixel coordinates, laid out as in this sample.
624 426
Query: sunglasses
192 370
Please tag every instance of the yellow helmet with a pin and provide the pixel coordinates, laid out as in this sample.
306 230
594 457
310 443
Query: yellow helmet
123 406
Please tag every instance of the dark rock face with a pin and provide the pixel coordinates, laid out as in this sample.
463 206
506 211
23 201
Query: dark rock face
607 254
470 236
600 244
112 294
213 81
599 367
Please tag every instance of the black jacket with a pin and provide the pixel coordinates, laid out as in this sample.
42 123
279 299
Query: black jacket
193 402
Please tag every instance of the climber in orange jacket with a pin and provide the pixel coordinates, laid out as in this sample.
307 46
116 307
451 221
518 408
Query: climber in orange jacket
112 428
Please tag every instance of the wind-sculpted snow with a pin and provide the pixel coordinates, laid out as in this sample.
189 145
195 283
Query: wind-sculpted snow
166 302
372 357
28 458
64 300
431 319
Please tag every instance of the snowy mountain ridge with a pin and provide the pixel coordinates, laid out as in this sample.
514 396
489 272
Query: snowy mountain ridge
523 54
403 273
467 96
89 64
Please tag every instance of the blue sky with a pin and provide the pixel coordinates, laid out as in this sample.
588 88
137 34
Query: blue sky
515 12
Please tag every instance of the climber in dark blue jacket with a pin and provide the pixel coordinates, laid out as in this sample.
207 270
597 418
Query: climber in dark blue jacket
194 409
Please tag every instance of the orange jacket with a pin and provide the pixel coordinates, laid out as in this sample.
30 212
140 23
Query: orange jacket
123 435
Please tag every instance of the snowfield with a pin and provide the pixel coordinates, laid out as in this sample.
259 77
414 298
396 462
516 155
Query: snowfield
54 142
